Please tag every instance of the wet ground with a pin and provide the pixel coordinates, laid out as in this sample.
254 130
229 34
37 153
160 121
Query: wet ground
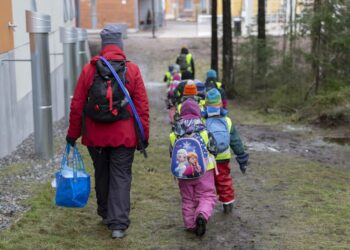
299 141
260 208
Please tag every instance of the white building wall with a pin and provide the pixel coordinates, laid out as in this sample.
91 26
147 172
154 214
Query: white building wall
16 108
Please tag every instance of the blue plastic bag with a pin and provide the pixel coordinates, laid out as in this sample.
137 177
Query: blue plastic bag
72 181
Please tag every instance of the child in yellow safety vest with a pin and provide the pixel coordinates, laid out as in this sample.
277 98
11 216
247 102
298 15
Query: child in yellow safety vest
168 77
212 82
226 136
189 92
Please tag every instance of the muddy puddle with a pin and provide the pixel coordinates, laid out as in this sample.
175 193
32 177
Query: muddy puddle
299 141
342 141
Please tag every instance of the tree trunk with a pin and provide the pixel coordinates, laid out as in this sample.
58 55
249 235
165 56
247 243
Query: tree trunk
153 20
290 27
261 46
315 45
214 37
284 46
261 20
227 48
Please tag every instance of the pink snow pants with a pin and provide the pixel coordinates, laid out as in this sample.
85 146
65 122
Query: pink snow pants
198 196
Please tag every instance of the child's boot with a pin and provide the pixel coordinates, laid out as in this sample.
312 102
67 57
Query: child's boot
201 225
228 208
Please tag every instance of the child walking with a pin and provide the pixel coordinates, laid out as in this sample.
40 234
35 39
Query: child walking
226 136
198 195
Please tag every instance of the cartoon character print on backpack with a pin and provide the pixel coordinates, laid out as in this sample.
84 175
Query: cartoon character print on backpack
106 101
189 160
218 127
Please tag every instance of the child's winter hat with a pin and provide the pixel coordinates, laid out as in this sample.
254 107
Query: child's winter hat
112 34
176 77
211 74
176 68
213 98
200 86
190 89
190 110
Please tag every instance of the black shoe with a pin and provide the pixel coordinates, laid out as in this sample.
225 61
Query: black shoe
228 208
201 225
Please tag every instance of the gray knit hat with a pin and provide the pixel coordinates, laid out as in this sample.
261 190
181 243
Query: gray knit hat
112 34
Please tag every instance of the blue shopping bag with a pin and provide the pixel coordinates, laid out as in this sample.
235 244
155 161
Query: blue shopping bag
72 181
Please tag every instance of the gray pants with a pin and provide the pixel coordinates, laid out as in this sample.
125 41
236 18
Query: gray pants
113 184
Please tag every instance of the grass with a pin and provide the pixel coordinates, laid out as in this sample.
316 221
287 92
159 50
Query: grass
328 109
154 196
12 169
248 114
284 202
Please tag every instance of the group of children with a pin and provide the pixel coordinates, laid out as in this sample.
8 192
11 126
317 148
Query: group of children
198 115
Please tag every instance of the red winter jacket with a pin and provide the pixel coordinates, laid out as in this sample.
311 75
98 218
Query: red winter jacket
115 134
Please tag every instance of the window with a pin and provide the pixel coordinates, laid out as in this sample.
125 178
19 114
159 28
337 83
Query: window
203 5
188 5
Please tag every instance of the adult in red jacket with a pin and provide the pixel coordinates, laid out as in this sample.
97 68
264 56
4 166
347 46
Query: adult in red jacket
111 145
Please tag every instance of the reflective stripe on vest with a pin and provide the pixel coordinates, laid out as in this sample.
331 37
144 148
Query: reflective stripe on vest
169 77
226 155
205 137
188 60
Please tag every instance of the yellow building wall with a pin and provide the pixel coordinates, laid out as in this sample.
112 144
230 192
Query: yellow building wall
236 7
273 6
219 8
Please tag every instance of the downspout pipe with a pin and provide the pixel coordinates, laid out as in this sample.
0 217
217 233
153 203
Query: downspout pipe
69 38
38 27
81 53
93 15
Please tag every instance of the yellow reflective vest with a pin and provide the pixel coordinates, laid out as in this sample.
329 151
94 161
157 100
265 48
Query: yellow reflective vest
189 60
205 137
169 77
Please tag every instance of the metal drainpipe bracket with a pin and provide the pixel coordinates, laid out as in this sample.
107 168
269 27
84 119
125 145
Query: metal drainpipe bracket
14 60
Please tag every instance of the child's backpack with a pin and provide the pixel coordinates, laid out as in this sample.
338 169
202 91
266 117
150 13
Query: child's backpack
106 100
182 61
189 157
218 127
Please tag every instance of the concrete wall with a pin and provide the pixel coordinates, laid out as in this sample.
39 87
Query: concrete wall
16 105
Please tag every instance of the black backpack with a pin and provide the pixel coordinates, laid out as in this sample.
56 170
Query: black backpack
106 101
182 61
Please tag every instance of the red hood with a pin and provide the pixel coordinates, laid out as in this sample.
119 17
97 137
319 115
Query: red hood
110 52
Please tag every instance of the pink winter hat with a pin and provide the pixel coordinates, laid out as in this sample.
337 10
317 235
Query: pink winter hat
190 110
176 77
